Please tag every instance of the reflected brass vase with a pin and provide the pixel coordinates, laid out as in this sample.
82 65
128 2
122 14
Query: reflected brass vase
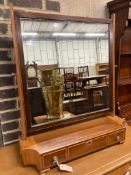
52 84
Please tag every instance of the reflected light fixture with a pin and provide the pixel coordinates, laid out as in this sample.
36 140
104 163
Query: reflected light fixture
29 34
95 34
64 34
56 25
30 43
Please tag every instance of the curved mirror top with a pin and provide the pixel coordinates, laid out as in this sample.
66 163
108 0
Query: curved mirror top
67 68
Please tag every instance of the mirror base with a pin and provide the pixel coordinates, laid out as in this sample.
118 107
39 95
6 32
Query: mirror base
72 142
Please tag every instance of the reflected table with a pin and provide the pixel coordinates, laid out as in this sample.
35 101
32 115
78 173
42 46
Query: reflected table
98 78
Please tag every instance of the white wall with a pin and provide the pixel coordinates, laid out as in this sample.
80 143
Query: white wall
77 53
103 51
42 52
68 53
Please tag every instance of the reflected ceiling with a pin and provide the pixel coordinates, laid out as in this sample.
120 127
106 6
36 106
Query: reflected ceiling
48 28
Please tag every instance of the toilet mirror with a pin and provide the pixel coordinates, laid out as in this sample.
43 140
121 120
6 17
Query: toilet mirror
75 55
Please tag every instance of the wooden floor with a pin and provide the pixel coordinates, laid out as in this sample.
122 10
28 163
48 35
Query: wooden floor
11 164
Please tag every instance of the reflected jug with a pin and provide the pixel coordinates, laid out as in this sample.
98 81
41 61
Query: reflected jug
52 84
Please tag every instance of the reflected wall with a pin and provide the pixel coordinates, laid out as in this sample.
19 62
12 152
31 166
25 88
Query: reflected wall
88 46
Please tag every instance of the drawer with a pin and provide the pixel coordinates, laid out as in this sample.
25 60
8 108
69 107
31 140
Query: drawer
87 147
48 158
122 170
117 137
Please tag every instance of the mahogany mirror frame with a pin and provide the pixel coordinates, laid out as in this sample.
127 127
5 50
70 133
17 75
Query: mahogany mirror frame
26 127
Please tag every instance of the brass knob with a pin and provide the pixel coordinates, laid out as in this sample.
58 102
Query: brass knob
118 138
55 160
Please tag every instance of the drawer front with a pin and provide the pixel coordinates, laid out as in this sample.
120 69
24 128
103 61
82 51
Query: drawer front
48 158
117 137
87 147
123 170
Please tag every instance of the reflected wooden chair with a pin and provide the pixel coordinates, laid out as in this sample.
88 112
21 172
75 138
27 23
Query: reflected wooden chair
69 80
72 85
83 71
74 92
60 70
78 104
68 73
69 88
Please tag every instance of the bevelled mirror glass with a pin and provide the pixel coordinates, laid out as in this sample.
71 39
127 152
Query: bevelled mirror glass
68 68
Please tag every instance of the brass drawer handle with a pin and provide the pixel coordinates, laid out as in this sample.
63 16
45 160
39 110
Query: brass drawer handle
55 160
119 139
89 142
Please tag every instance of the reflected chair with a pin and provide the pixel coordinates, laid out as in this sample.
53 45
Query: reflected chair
74 92
60 70
69 80
78 104
68 73
72 85
83 71
69 88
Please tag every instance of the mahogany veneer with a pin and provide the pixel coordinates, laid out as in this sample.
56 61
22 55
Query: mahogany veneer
115 160
72 142
122 56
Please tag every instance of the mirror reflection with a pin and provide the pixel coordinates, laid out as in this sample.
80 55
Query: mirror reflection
74 57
